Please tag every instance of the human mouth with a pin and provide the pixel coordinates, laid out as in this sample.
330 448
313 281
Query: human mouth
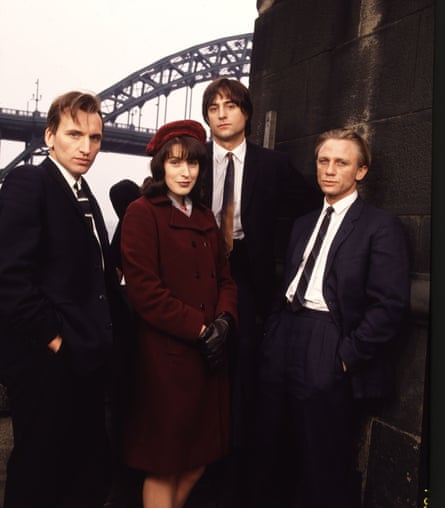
83 162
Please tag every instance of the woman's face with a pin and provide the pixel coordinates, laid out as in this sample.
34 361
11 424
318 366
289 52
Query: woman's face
180 174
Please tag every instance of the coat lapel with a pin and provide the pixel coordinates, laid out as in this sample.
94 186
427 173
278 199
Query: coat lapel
208 186
345 229
250 176
295 256
97 215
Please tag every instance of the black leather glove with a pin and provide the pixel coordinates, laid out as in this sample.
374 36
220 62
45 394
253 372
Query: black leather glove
213 339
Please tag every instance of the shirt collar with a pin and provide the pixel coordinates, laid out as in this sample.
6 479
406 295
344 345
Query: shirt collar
220 152
67 175
343 204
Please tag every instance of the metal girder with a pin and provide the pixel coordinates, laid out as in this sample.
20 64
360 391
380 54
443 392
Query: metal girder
229 56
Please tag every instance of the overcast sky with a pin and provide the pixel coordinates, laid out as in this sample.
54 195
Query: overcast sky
92 44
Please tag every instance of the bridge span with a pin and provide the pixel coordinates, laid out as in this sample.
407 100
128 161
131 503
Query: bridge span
127 99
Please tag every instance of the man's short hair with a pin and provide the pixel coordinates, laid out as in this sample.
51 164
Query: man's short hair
71 102
352 135
235 91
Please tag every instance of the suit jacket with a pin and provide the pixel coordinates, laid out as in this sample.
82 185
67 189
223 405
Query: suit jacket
51 277
265 177
366 286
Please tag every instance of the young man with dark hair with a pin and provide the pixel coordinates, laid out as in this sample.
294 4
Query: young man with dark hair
259 180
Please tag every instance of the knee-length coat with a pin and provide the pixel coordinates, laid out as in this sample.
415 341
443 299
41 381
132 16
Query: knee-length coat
178 279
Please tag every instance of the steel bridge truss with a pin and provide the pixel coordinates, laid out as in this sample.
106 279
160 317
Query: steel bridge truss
229 56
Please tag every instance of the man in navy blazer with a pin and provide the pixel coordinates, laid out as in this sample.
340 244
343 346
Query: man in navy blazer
56 294
327 341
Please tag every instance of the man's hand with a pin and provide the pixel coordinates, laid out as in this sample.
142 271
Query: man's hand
55 344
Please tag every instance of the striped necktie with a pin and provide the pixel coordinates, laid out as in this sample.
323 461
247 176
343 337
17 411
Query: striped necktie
228 207
85 205
306 274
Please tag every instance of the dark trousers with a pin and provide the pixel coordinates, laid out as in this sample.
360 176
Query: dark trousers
61 454
305 417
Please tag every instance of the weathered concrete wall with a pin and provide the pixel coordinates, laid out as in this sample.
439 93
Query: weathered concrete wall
366 64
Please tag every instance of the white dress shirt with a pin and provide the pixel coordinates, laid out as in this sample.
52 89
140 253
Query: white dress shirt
314 293
219 172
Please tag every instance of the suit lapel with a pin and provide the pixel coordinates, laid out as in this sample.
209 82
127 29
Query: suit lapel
56 175
295 256
345 229
251 171
208 186
97 215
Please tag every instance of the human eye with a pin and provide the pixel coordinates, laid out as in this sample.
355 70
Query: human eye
212 108
74 134
322 161
96 138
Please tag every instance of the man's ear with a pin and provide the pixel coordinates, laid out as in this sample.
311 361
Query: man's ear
49 138
361 173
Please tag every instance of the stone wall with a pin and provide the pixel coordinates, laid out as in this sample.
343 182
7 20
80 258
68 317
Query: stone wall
366 64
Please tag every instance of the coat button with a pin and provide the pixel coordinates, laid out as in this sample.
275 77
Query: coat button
197 275
193 244
202 306
213 275
205 244
102 297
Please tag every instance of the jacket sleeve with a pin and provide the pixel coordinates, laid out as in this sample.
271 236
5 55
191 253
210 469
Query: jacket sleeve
385 297
24 309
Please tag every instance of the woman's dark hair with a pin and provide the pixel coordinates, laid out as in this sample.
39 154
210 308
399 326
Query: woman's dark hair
191 150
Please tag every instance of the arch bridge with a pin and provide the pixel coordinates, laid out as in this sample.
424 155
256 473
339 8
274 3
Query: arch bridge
138 92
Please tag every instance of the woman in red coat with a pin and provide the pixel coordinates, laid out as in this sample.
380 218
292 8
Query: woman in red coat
179 284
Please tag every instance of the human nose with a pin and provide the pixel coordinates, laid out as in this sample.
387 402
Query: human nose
222 113
85 145
185 169
330 168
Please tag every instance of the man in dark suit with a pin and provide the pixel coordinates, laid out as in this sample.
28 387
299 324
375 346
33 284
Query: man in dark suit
56 300
261 179
345 293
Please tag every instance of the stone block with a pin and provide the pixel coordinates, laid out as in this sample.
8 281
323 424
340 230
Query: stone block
400 174
392 476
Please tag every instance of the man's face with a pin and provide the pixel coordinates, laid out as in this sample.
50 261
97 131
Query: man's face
226 121
76 143
338 168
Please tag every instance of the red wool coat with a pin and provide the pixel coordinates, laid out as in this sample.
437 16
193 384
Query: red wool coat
177 279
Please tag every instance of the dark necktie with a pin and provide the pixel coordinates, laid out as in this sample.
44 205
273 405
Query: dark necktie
306 274
227 211
85 205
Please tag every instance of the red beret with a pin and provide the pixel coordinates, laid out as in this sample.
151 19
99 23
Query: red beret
173 130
